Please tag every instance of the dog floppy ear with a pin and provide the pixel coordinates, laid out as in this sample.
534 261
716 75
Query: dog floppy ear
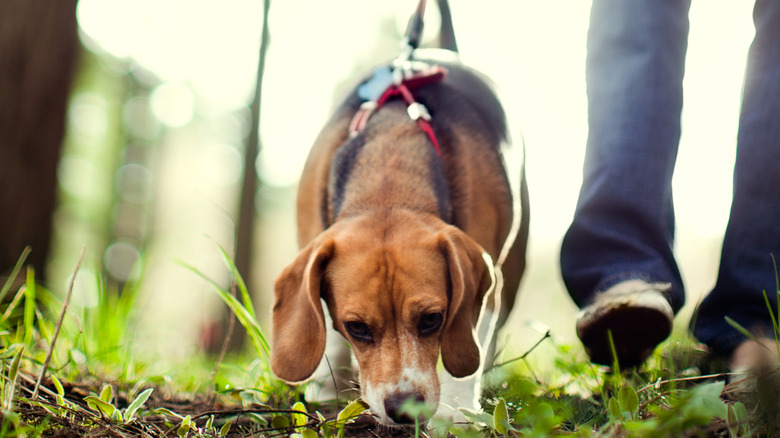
298 318
470 271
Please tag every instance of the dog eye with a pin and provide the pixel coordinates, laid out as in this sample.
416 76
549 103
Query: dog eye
359 331
429 323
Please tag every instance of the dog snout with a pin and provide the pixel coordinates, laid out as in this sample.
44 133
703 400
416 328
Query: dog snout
394 403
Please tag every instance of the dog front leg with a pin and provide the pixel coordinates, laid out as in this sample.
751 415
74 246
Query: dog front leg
334 375
456 394
465 392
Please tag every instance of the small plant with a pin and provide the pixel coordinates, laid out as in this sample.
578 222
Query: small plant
738 420
9 387
624 407
668 396
104 405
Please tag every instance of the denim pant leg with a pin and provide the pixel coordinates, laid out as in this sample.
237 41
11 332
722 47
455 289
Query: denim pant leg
624 222
753 232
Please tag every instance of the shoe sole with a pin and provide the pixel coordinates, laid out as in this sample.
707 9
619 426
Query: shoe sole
635 330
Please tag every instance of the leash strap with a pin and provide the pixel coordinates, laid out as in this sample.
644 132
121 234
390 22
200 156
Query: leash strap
414 28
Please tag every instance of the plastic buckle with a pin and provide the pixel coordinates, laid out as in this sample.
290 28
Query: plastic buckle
416 110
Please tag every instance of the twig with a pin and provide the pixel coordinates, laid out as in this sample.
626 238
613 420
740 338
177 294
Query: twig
29 379
59 322
333 377
683 379
499 365
239 411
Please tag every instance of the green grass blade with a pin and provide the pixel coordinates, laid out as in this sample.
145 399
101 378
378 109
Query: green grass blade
613 350
775 325
29 306
777 287
137 403
772 316
13 378
242 314
738 327
14 273
240 282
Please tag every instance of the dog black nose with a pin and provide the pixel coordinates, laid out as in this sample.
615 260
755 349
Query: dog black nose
394 402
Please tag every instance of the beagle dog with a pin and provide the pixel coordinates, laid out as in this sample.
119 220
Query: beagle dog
414 238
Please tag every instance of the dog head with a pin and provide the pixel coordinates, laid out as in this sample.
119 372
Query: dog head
401 289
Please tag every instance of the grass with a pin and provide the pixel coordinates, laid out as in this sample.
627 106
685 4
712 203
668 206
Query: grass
94 382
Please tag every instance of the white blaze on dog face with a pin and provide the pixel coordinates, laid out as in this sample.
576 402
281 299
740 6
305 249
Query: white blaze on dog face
390 302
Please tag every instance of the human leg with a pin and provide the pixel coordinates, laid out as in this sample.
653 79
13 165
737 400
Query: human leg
624 222
753 232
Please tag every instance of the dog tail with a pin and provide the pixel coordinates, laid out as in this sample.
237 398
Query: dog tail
446 32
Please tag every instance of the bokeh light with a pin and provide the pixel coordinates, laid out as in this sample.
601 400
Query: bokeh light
122 260
85 288
173 104
75 176
222 164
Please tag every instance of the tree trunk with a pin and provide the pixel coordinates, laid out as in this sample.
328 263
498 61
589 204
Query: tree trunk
245 227
38 51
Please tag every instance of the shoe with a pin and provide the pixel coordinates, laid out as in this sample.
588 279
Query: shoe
636 313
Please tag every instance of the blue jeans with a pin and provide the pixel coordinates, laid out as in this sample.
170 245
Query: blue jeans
623 226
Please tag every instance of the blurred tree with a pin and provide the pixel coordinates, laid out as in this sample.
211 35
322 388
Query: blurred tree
39 46
247 209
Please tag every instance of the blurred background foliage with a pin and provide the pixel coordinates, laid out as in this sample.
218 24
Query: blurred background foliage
124 128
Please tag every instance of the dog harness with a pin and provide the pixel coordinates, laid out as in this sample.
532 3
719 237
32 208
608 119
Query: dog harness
398 80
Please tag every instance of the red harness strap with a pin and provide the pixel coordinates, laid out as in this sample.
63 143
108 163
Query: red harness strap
417 111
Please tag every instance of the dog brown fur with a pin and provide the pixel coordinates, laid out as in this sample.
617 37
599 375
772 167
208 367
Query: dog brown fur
392 234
